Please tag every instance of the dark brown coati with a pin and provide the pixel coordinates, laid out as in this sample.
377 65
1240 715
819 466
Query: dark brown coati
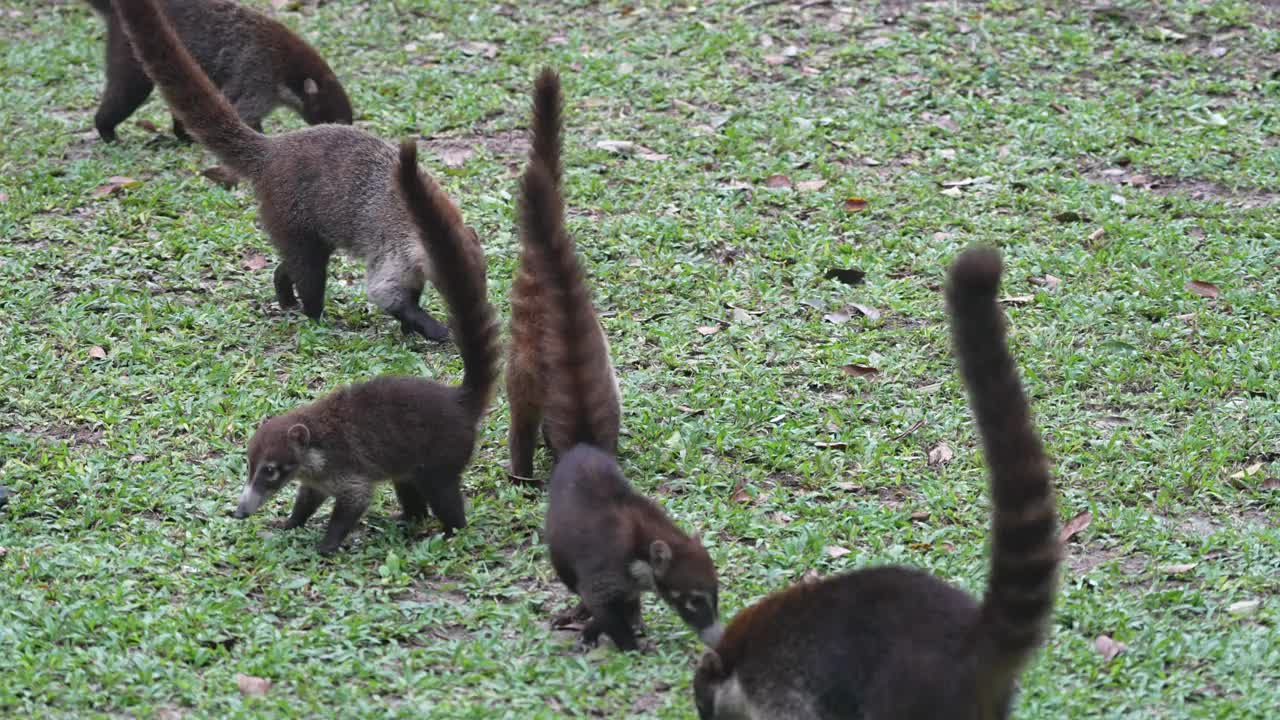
320 189
414 432
893 643
258 63
608 543
526 381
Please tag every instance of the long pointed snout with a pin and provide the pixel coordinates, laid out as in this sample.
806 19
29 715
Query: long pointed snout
250 500
711 634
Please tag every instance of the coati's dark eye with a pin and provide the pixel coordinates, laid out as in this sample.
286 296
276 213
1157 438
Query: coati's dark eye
270 469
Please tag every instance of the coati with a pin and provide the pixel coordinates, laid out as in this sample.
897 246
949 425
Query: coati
319 189
257 62
607 542
526 374
895 642
414 432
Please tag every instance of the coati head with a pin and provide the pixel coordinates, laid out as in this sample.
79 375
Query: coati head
322 99
276 452
685 578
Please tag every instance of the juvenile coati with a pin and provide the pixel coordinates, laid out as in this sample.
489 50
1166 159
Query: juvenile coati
894 642
414 432
607 542
526 373
258 63
319 189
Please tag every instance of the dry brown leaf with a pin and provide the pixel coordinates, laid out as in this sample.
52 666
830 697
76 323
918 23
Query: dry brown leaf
780 517
1017 299
1049 282
1203 289
148 126
484 49
811 185
1108 648
742 316
224 176
557 40
455 156
617 147
836 551
255 261
946 123
855 204
870 312
940 454
846 486
838 317
708 329
1096 235
1178 568
1074 527
1248 471
775 59
251 686
856 370
1244 607
777 182
97 353
645 153
113 185
740 494
920 516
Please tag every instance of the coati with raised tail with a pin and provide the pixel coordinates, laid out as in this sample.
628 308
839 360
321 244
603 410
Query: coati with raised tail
526 379
414 432
320 189
608 543
257 62
892 643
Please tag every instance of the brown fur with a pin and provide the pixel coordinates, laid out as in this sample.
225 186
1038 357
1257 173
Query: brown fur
257 62
414 432
892 643
565 422
320 190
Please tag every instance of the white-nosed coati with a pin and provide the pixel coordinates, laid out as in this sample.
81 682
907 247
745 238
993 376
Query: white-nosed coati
607 542
414 432
320 189
258 63
893 643
526 380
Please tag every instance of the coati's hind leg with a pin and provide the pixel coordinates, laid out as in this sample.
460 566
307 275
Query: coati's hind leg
348 508
413 503
610 618
304 506
522 438
388 290
307 269
444 494
284 287
127 85
179 131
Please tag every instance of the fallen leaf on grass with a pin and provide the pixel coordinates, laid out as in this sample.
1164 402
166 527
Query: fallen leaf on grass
1249 471
920 516
456 156
617 147
1048 281
777 182
1074 526
1108 648
740 494
848 276
255 261
1244 607
645 153
1178 568
222 176
1271 484
954 192
1203 289
811 185
251 686
743 317
838 317
1095 236
113 185
97 353
856 370
1017 299
487 50
940 454
774 59
869 312
836 551
967 181
708 329
855 204
148 126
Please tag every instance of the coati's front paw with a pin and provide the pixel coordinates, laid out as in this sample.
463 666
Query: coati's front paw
573 618
328 549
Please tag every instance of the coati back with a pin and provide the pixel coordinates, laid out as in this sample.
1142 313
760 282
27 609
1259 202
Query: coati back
320 189
416 433
530 339
892 643
608 543
257 62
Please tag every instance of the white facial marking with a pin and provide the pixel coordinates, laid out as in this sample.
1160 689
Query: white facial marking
711 634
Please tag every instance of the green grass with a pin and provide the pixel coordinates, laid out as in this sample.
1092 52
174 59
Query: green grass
127 590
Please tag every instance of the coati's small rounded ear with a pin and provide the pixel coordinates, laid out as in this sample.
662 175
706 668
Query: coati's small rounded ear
299 435
659 557
309 87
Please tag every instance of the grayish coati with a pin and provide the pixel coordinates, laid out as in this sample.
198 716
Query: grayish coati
894 643
319 189
608 543
526 380
414 432
258 63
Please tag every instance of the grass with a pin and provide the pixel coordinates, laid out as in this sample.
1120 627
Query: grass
1126 150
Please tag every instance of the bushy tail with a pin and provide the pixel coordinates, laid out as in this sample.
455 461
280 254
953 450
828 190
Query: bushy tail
547 123
1024 547
460 275
579 386
204 112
